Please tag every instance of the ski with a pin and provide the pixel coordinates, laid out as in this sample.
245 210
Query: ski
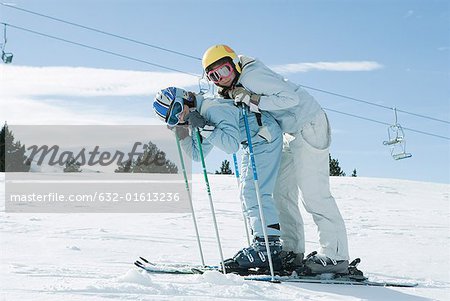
172 268
188 269
319 279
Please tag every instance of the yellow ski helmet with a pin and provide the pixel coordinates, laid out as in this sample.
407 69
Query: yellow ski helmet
217 52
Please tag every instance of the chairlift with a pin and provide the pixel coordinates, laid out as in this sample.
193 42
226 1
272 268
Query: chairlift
396 140
6 56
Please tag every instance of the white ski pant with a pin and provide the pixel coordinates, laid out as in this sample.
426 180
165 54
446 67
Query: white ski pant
305 166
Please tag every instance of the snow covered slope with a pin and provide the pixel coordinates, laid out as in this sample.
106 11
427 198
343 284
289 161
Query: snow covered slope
399 228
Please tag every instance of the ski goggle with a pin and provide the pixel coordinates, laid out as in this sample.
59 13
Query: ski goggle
220 72
174 112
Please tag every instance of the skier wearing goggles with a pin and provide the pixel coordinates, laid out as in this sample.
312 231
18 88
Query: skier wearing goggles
221 124
304 160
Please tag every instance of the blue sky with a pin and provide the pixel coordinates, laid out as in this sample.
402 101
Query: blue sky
406 45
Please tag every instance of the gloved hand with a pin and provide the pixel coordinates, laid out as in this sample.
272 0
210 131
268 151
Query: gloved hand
196 120
182 131
241 95
223 92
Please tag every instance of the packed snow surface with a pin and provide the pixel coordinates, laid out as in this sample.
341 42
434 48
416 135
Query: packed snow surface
400 230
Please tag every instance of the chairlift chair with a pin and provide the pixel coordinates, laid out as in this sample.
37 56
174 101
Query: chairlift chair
396 140
7 57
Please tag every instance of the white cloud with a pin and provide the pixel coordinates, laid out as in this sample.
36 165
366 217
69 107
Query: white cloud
25 93
78 81
29 111
43 95
328 66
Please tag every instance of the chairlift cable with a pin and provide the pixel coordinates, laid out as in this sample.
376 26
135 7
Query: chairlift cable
101 31
388 124
99 49
375 104
197 75
198 58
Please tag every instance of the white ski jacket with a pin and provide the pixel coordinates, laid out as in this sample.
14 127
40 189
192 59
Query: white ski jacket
287 102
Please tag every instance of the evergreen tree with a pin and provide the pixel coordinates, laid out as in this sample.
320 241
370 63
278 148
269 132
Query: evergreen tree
12 154
335 169
153 160
2 148
72 166
225 168
124 166
354 173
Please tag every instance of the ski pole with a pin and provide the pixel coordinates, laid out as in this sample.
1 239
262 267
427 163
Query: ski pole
190 200
211 205
258 194
236 172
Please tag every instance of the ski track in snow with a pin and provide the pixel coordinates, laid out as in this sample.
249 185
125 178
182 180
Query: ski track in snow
399 228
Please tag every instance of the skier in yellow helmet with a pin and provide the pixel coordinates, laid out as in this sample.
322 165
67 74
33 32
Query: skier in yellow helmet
304 160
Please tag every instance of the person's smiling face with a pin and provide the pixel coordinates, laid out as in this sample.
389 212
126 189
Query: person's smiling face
225 81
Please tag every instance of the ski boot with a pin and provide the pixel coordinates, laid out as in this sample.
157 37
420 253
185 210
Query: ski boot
320 264
291 261
254 259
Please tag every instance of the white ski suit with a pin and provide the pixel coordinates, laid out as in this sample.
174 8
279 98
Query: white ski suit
304 162
228 134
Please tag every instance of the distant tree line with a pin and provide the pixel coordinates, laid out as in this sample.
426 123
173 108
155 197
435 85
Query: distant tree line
13 158
224 168
335 169
153 160
14 151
